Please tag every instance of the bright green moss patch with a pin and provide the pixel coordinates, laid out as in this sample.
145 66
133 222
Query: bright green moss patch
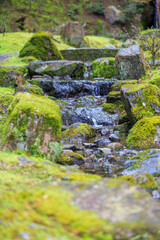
96 41
78 130
42 47
104 67
113 107
143 133
70 158
30 88
33 124
113 96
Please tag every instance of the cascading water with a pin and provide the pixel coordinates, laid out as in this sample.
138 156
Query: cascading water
156 17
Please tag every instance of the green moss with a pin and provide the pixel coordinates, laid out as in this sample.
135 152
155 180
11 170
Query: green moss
41 47
143 133
104 67
70 158
113 96
6 97
117 85
110 108
34 89
96 41
33 123
148 182
12 76
79 130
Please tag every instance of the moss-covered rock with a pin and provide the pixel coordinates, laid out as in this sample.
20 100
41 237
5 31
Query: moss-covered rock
88 54
6 97
104 67
30 88
78 131
145 133
57 68
113 96
32 124
70 158
117 85
41 47
112 108
140 100
12 76
130 63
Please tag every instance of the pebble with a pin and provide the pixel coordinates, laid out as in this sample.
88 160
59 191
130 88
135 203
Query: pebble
106 151
114 138
156 194
115 146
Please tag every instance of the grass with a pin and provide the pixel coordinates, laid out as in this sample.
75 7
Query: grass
96 41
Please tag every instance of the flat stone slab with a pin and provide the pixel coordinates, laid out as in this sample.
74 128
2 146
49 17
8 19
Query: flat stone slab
88 54
57 68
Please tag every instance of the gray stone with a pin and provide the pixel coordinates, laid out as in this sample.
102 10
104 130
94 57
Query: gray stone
114 138
106 151
130 63
73 33
105 131
115 146
113 14
57 68
88 54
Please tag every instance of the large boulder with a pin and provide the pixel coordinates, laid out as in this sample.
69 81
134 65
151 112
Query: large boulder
130 63
42 47
140 100
73 33
145 133
113 14
32 124
57 68
104 67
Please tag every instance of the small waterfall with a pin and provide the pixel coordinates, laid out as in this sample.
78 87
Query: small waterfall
156 17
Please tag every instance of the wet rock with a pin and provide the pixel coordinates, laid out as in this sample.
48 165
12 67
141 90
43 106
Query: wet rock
105 131
115 146
88 54
130 63
63 89
88 153
113 14
114 138
12 76
156 194
69 146
73 33
105 151
57 68
91 115
70 158
89 145
148 163
102 142
112 159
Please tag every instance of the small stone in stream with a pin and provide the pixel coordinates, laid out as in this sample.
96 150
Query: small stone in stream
88 153
25 235
115 146
91 158
112 159
114 138
106 151
67 77
156 194
89 145
102 142
69 146
67 150
105 131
